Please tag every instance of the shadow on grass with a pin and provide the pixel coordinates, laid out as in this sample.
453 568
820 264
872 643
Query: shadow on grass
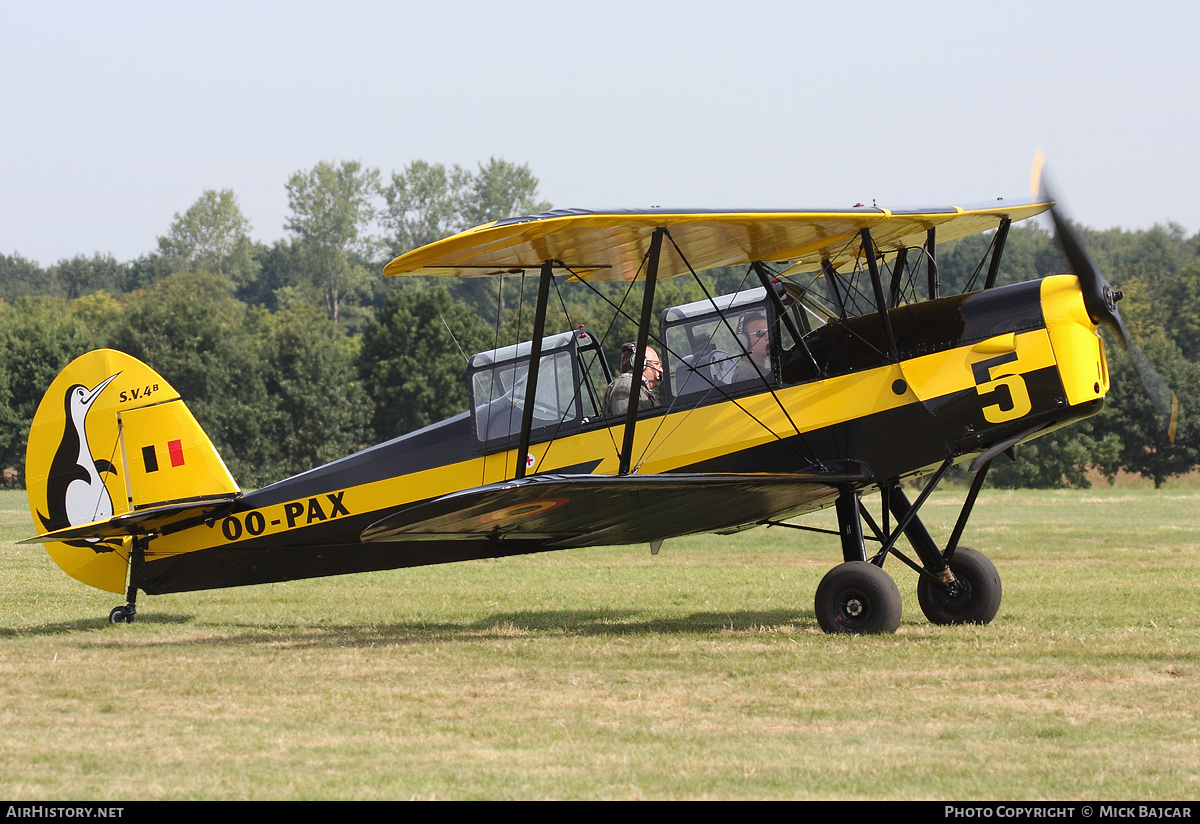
498 626
85 625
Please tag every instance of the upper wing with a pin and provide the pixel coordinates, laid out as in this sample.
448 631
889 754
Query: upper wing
600 510
611 245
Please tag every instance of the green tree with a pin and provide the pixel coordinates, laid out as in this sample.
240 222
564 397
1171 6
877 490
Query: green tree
148 269
331 211
20 278
81 275
498 190
1179 308
964 263
1060 459
321 409
1019 261
1146 447
100 314
424 203
410 365
501 189
11 429
189 329
38 337
283 272
212 236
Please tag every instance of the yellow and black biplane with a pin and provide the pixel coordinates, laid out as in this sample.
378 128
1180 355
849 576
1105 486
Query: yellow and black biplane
873 378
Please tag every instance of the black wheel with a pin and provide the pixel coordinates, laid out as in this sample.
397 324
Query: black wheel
858 598
975 597
121 615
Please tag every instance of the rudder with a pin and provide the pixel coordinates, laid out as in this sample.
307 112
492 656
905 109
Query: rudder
110 437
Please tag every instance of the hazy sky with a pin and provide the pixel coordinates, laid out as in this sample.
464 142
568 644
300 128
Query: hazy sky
117 115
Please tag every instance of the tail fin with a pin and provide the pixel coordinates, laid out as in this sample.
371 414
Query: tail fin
112 437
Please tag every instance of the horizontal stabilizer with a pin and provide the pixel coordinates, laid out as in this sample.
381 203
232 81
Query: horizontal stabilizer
600 510
159 520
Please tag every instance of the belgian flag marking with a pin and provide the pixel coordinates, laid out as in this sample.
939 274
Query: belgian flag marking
174 454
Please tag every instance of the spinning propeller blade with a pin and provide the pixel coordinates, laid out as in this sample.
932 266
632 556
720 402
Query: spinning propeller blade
1101 301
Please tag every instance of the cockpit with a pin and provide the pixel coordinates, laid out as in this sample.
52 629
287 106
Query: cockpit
572 374
712 350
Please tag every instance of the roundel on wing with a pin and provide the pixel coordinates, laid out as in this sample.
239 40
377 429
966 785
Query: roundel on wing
512 513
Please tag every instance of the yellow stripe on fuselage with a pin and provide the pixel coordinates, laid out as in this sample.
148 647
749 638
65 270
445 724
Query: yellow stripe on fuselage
660 445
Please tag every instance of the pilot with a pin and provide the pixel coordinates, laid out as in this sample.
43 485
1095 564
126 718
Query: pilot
758 344
616 396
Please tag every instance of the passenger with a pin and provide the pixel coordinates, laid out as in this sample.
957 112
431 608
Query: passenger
616 396
758 344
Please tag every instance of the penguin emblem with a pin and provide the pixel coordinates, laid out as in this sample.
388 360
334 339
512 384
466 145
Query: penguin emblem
75 492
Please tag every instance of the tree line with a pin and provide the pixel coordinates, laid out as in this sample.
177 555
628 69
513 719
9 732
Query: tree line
297 352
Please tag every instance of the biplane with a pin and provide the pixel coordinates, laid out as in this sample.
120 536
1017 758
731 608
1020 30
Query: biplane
865 377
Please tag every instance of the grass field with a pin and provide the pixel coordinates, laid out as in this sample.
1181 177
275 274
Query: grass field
609 673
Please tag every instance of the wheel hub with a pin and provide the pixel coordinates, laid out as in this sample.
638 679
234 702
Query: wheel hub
854 608
957 595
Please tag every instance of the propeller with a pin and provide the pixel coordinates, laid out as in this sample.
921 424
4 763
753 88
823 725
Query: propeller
1100 299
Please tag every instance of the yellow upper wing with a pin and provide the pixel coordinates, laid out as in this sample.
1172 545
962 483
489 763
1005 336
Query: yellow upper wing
612 245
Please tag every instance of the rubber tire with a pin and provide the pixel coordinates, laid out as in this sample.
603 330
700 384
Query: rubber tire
980 597
857 584
120 615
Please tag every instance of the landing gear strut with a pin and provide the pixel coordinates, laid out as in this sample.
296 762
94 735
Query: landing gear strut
124 614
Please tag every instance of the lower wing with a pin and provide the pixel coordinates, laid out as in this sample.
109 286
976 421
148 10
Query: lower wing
600 510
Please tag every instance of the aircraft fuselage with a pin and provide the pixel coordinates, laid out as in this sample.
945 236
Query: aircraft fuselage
972 372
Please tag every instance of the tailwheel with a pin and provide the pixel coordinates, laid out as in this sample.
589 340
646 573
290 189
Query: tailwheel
858 598
122 615
974 598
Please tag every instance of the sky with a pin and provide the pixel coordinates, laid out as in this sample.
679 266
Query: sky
118 115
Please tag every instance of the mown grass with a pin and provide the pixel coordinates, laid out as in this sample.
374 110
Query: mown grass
609 673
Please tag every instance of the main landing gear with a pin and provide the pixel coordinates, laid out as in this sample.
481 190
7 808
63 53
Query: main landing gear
858 598
973 598
957 585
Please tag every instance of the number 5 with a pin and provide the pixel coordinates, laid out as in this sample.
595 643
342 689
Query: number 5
996 375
